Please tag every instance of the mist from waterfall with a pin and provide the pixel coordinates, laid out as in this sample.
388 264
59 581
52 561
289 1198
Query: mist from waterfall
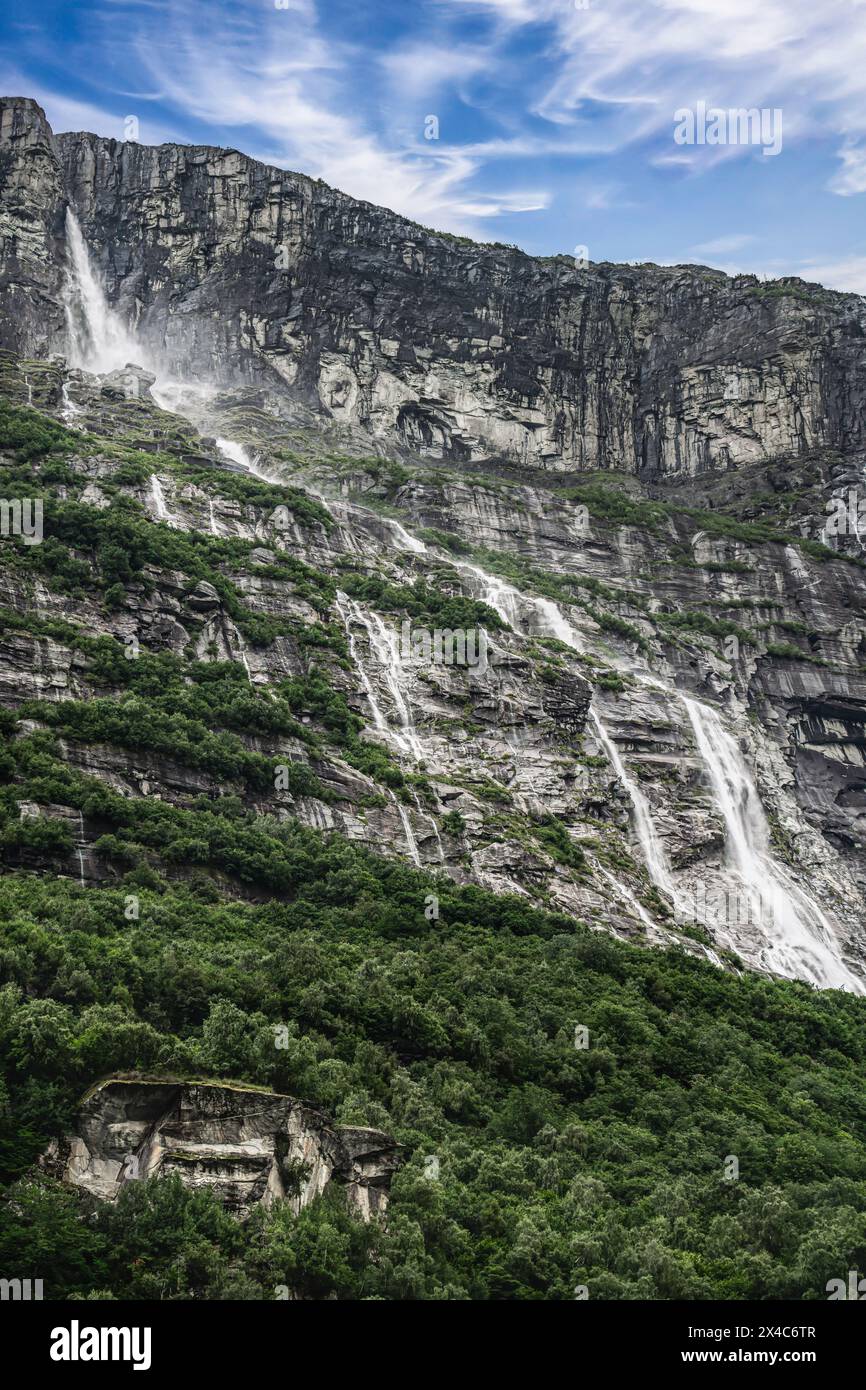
97 339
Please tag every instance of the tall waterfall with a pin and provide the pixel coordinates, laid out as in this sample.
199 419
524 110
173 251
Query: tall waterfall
97 339
800 941
799 937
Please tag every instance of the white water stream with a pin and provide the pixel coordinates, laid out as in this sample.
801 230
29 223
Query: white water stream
800 941
98 340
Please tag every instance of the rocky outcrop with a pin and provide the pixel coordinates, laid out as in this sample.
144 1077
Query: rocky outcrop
230 268
32 204
247 1146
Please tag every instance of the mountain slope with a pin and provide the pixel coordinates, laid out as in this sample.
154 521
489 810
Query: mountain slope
248 784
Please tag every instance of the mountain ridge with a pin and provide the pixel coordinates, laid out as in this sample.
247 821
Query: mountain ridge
662 373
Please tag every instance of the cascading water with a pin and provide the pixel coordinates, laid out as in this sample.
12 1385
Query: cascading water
97 338
511 605
241 456
350 612
68 408
800 938
384 646
800 942
158 498
653 852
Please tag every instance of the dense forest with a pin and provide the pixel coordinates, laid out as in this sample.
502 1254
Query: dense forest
578 1116
559 1166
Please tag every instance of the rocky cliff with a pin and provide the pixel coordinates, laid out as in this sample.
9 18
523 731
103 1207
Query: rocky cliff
233 269
356 433
245 1145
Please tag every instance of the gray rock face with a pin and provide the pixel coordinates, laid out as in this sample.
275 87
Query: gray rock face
474 376
231 268
32 204
246 1146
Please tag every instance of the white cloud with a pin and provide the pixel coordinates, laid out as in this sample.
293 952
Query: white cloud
723 245
851 178
846 273
631 63
294 92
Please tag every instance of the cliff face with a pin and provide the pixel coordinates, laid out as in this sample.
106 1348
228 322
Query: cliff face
245 1145
32 203
432 393
446 348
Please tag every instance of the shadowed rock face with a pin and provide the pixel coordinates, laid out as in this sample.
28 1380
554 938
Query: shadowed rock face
234 269
247 1146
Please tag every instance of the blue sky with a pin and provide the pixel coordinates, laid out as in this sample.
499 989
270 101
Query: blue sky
556 118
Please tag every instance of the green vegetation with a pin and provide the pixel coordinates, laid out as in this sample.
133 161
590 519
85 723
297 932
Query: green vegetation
558 1166
29 435
419 600
620 508
787 651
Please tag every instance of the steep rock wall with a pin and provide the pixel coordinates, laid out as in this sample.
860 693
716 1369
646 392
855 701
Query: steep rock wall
461 351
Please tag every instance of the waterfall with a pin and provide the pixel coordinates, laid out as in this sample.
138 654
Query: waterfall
211 518
68 408
411 842
800 940
156 492
29 390
799 936
98 340
439 845
651 845
241 456
242 653
384 646
348 611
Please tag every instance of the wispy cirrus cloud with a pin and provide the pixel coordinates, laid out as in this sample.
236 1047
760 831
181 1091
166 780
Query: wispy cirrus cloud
554 122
